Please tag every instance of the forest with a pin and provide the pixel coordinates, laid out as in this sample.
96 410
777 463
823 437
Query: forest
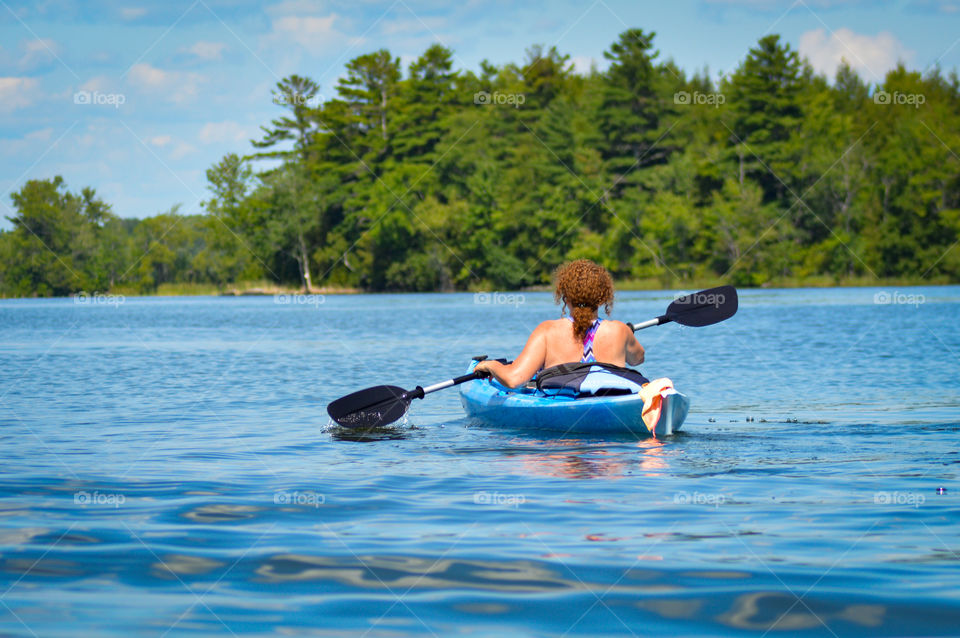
432 178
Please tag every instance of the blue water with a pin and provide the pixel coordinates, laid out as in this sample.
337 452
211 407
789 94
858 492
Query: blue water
168 469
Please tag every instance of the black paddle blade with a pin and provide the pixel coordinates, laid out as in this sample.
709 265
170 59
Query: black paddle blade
705 307
370 408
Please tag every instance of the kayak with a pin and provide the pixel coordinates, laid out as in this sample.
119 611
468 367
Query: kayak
529 408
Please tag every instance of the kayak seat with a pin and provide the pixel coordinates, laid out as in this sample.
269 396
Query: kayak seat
589 379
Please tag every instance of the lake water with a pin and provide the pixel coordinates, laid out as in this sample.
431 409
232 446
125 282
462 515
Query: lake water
168 468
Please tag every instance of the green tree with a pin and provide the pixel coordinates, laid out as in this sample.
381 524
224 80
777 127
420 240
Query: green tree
296 94
764 100
232 227
368 91
54 239
634 115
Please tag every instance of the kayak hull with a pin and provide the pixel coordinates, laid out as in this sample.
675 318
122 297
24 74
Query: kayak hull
494 404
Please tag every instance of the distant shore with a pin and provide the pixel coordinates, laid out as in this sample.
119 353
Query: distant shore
263 289
260 289
239 289
279 290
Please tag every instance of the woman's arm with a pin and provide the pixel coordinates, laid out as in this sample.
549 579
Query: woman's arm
634 351
525 365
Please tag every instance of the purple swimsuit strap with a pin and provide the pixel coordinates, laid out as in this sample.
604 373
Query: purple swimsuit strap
588 342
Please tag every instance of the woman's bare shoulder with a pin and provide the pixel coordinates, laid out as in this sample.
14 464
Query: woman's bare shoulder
550 325
617 325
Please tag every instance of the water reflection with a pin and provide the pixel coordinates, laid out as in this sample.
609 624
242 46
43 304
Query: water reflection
221 513
583 460
175 565
776 610
361 435
399 573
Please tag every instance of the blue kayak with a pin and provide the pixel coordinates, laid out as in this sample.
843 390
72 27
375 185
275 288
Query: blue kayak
529 408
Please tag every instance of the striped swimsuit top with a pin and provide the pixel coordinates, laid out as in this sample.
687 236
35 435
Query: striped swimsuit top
588 341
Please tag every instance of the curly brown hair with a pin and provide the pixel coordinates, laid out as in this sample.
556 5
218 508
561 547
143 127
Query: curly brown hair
583 286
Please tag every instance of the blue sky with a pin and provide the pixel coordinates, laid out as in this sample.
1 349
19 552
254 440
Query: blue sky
174 86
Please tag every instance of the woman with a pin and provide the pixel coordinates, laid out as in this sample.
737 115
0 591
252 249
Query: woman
583 287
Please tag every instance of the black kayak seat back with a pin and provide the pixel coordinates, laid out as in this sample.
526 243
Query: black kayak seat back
589 379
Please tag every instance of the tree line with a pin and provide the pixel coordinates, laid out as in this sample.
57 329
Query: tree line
430 178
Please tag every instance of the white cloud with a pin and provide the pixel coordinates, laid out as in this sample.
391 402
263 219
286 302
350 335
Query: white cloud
87 140
17 93
181 150
307 31
29 143
176 86
41 135
870 56
228 131
938 6
292 6
412 26
316 34
207 50
97 83
132 13
37 52
151 77
174 148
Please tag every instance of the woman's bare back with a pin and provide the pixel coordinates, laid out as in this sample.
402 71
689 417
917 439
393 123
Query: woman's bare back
609 343
553 343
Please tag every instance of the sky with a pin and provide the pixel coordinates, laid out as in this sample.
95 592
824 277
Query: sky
138 98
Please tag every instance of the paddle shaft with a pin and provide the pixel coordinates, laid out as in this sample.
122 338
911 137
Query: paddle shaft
419 392
649 324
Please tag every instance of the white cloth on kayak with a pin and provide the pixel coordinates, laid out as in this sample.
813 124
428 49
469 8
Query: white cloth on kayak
653 394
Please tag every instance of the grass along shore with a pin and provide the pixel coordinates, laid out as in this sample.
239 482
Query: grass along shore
242 288
268 288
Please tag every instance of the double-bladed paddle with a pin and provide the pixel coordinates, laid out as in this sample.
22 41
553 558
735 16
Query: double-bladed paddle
696 309
384 404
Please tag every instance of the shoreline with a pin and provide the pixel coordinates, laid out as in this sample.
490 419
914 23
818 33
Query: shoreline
273 291
260 290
